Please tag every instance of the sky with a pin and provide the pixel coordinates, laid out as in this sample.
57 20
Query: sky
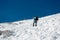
14 10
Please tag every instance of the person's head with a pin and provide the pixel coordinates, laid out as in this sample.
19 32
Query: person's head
35 17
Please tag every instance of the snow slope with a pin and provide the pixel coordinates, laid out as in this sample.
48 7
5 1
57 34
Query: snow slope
48 29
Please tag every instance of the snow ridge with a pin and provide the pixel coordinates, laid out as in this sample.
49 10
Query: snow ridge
48 29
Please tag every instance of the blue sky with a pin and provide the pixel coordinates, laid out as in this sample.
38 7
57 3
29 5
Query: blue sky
14 10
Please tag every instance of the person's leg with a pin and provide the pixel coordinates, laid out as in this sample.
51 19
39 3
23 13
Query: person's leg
36 24
33 24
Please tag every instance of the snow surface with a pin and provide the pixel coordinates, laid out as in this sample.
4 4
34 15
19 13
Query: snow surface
48 29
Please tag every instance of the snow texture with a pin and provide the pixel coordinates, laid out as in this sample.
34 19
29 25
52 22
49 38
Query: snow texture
48 28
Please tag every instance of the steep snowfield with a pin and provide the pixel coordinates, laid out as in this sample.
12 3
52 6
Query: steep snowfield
48 29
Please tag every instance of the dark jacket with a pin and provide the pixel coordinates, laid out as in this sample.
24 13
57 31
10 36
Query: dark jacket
35 19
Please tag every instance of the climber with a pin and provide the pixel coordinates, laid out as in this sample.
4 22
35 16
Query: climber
35 21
